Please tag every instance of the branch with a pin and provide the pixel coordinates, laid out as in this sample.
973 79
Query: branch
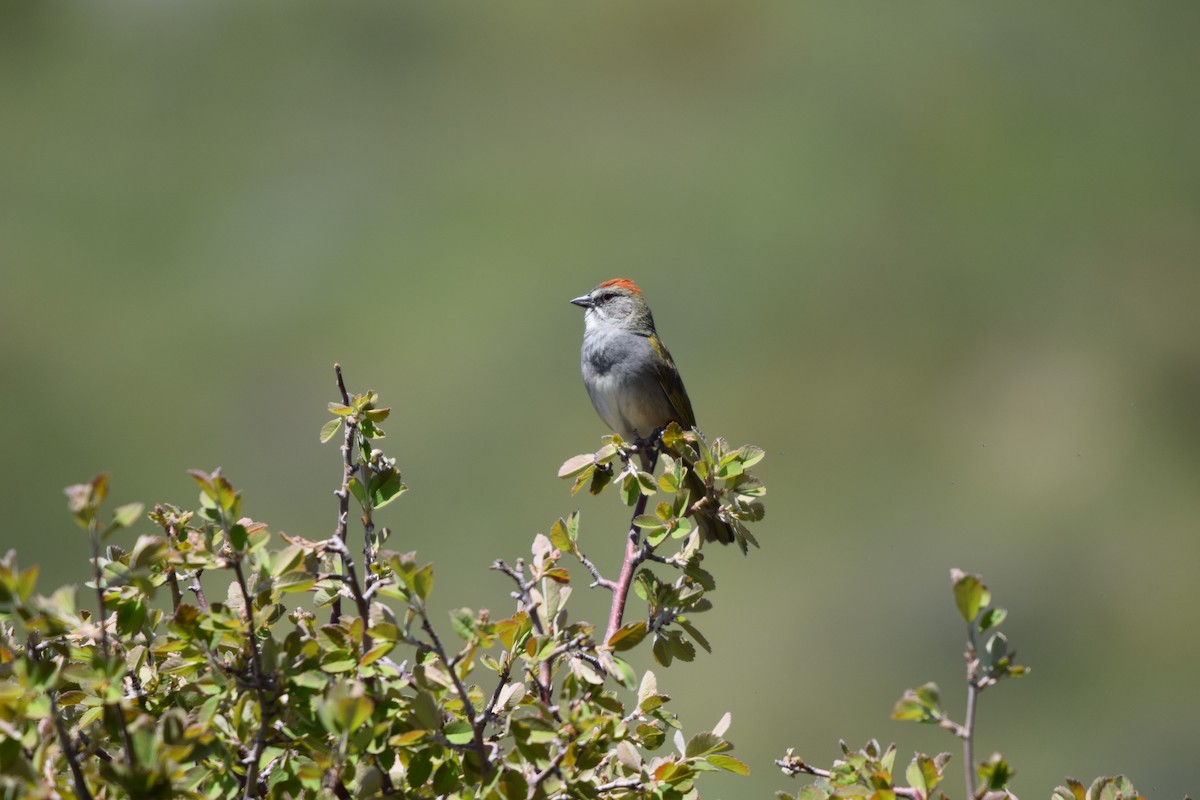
793 766
968 726
627 783
343 493
351 579
172 579
544 680
64 739
468 706
634 556
198 590
489 711
93 529
598 579
550 769
260 739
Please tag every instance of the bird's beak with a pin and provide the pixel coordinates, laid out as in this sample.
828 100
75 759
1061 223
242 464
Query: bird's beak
583 301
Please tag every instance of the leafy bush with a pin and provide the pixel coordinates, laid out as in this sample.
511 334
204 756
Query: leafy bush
312 673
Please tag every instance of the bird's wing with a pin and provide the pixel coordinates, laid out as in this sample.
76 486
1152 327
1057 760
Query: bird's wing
672 384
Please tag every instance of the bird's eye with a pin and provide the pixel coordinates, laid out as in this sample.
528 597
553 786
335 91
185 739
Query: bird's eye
604 297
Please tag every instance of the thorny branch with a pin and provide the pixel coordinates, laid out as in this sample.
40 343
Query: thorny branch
64 739
260 689
343 493
544 678
350 578
476 723
793 766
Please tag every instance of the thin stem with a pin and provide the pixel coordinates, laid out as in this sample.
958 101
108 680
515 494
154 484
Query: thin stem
103 615
489 710
544 680
343 493
350 578
64 739
198 590
260 740
476 723
969 735
794 766
172 579
112 711
550 769
597 578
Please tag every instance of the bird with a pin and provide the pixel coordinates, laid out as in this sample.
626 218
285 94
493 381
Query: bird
632 380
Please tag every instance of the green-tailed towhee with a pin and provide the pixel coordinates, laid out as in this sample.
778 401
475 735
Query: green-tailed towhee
632 379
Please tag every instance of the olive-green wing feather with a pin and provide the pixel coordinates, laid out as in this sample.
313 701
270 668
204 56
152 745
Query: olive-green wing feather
672 384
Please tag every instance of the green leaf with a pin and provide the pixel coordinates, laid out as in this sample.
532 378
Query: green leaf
706 743
628 636
695 634
995 773
560 538
459 732
729 764
386 487
378 415
127 514
650 523
576 464
422 581
923 774
991 618
356 489
463 622
970 595
749 455
445 780
651 736
238 537
922 704
330 428
631 489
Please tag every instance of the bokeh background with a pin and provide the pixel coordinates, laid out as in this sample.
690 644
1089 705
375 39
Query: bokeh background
940 260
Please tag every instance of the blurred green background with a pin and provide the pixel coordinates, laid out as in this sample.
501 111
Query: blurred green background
940 260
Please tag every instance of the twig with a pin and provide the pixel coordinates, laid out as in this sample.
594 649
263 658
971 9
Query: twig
100 752
485 765
116 712
367 521
198 590
550 769
793 766
99 577
64 739
337 787
172 579
597 578
489 711
260 740
544 680
968 733
351 579
627 783
343 493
